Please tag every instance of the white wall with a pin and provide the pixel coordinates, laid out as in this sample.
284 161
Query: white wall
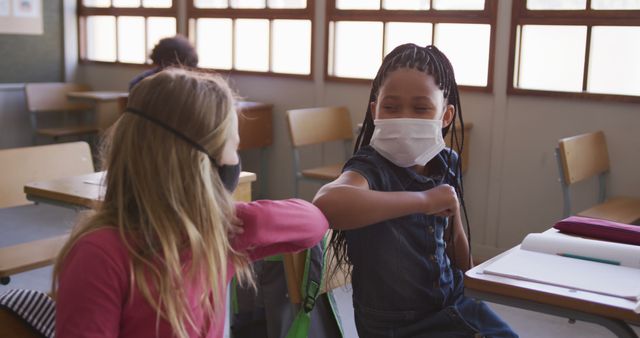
511 186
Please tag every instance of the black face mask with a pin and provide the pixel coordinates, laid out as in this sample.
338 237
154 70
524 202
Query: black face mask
229 174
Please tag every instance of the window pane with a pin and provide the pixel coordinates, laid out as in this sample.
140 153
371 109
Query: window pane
126 3
398 33
552 57
358 4
470 60
357 49
287 3
96 3
101 38
156 3
252 45
291 46
213 43
615 4
247 3
406 4
159 28
131 39
556 4
211 3
458 4
613 62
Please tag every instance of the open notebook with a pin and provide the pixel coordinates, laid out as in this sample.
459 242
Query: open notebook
552 258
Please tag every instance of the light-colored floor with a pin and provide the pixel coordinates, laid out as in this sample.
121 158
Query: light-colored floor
527 324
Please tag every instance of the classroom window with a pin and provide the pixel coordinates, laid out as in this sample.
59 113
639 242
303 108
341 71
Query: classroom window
361 32
576 48
253 36
123 31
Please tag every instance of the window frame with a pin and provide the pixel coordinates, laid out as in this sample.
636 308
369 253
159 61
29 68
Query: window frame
270 14
83 12
520 15
486 16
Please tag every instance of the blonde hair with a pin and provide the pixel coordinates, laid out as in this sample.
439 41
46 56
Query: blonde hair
166 198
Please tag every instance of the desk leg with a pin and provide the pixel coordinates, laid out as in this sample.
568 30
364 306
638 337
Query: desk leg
618 327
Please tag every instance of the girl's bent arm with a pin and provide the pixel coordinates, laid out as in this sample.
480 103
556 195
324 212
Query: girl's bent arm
273 227
348 203
459 251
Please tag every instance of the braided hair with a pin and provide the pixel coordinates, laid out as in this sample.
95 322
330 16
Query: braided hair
432 61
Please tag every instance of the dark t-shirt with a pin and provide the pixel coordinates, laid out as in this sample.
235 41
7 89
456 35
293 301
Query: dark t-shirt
142 75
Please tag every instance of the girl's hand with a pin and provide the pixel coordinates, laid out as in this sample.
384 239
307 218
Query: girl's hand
441 201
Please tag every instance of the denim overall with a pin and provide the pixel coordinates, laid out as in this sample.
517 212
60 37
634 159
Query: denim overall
403 282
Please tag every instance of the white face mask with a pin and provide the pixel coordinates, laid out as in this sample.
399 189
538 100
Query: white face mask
408 142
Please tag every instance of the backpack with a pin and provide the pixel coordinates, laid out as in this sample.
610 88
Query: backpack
268 313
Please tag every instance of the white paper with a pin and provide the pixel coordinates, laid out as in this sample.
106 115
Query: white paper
555 244
27 8
606 279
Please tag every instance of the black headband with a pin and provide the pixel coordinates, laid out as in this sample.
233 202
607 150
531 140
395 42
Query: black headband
174 131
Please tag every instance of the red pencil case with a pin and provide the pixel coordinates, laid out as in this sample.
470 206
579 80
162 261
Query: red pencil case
600 229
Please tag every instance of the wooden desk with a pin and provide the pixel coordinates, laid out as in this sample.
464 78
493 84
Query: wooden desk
27 256
102 102
255 126
611 312
85 190
98 96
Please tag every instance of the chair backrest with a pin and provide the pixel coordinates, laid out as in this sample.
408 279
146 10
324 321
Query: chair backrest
583 156
52 97
318 125
24 165
27 313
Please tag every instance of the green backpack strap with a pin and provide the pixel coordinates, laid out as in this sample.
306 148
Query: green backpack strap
310 288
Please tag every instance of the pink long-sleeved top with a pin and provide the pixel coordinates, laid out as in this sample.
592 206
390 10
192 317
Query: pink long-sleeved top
94 297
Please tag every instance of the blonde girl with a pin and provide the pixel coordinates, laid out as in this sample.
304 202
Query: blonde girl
155 258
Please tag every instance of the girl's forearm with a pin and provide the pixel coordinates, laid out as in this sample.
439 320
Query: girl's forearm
348 207
461 253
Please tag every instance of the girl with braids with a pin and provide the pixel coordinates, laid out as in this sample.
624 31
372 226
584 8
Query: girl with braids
155 258
395 208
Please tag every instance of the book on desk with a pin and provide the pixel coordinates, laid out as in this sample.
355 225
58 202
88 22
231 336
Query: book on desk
577 263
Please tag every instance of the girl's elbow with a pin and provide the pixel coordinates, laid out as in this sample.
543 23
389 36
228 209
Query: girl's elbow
317 229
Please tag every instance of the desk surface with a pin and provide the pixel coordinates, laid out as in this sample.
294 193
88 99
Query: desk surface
98 95
85 190
586 302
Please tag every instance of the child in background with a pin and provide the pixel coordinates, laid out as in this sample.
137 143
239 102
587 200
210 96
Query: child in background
155 258
396 207
173 51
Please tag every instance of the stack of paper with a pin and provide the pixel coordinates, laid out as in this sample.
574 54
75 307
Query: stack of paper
606 268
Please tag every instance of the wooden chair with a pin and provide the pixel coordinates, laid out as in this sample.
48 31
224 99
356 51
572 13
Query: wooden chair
23 165
26 313
294 270
39 163
317 126
13 326
585 156
52 98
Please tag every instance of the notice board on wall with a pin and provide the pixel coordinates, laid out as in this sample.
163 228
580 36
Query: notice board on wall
21 17
34 58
